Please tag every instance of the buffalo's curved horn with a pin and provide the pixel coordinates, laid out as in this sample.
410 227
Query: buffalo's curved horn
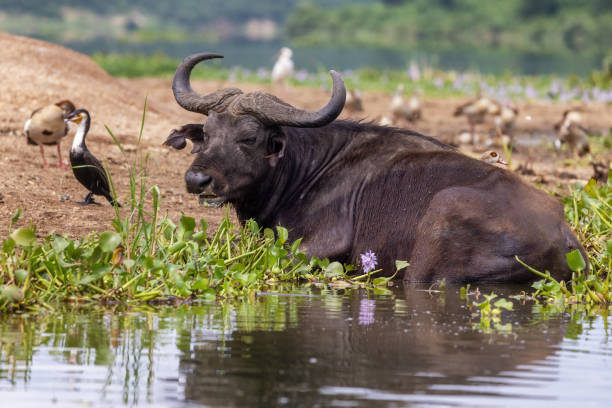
191 100
272 111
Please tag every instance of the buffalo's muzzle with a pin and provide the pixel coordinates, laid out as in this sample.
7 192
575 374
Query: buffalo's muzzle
197 182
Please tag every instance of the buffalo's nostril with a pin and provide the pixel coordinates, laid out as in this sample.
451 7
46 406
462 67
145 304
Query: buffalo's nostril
196 182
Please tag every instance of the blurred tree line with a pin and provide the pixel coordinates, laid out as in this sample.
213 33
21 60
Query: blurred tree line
527 25
189 12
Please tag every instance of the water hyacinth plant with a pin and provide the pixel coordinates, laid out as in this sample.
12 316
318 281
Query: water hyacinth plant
166 262
588 209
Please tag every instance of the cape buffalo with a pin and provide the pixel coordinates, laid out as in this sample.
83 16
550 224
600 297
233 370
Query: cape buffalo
348 187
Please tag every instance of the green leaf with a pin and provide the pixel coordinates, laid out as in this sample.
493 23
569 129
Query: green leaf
575 260
156 194
381 291
8 245
17 215
253 227
609 246
153 264
399 265
199 235
334 270
380 281
268 233
63 262
109 240
60 243
186 227
277 252
21 275
96 274
283 234
464 291
176 247
296 246
200 284
591 188
504 304
203 226
129 263
11 293
209 294
24 237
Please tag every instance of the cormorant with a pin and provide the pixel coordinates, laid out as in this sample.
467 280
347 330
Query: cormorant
86 168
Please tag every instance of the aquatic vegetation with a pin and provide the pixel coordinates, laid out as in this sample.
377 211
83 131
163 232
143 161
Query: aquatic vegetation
162 261
588 209
488 312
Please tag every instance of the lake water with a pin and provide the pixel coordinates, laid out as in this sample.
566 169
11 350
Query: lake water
255 55
342 348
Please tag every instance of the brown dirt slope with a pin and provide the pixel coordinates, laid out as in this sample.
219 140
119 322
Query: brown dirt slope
34 73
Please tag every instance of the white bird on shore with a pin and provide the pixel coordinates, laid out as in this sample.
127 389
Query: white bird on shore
570 131
414 105
476 111
385 121
283 68
505 117
398 98
400 110
353 101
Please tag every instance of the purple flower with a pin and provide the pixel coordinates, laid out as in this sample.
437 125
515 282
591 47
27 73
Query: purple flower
368 260
414 72
530 92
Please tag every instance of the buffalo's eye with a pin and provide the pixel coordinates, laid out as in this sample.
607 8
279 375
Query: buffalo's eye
249 141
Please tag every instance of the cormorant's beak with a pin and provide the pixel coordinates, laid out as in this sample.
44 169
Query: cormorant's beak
75 119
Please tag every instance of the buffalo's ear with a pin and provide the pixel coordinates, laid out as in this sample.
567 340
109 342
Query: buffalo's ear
276 146
176 140
194 132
